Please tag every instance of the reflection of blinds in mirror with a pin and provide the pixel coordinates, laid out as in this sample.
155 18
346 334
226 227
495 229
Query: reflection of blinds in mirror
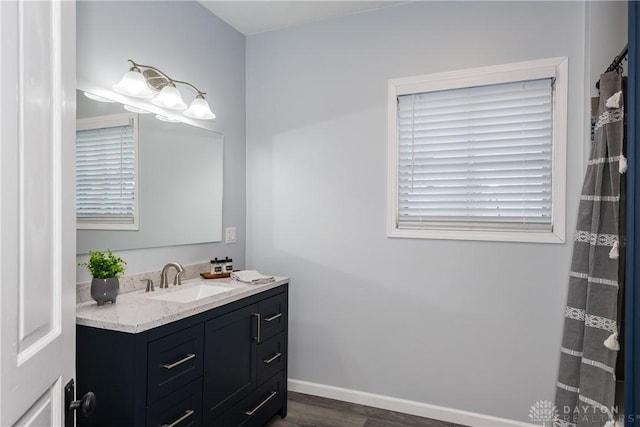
105 174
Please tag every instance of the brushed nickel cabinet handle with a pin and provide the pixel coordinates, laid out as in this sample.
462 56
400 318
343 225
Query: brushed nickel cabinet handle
257 316
186 415
253 411
179 362
272 318
271 359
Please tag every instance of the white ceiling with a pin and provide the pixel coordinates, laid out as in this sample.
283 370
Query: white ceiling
253 17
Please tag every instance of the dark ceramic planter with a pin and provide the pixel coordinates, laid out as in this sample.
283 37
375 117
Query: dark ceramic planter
104 290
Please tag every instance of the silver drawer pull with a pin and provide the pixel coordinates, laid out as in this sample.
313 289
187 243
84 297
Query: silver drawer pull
179 362
186 415
272 318
271 359
257 316
253 411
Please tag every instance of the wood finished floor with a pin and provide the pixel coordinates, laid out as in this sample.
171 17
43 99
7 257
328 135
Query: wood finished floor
310 411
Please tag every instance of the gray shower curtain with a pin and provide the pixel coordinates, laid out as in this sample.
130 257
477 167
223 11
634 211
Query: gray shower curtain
585 393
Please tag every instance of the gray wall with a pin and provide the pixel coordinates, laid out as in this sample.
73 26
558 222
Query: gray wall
189 43
607 23
468 325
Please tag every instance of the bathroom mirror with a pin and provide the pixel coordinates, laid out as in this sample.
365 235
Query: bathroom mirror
179 184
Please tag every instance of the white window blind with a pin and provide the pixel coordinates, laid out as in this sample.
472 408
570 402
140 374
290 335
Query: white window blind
476 158
106 172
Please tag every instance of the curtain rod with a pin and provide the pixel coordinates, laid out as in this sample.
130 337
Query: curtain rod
615 64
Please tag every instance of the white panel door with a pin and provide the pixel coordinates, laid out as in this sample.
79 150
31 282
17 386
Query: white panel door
37 216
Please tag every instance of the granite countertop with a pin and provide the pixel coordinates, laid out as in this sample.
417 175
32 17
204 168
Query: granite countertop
135 311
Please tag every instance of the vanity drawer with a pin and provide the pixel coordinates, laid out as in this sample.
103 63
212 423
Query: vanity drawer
182 408
174 361
259 406
271 356
273 316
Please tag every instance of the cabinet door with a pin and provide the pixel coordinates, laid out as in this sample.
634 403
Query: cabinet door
230 360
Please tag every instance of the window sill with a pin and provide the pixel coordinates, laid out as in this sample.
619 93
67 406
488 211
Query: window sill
479 235
107 226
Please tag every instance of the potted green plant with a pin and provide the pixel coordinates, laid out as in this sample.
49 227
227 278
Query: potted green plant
105 269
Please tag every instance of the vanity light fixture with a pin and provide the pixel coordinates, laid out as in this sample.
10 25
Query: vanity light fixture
144 84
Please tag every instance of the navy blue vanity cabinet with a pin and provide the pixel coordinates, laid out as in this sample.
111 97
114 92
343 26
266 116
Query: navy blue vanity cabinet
223 367
254 355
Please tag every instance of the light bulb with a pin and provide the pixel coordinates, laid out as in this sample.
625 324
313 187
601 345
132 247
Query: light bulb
134 84
199 109
169 97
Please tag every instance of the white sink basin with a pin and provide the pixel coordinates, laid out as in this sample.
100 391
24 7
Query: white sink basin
191 294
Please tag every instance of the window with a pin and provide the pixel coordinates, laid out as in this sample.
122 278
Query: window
106 172
479 154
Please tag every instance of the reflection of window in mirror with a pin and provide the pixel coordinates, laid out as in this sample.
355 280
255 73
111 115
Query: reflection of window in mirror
107 172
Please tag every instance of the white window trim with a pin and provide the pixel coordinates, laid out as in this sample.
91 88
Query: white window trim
552 67
107 121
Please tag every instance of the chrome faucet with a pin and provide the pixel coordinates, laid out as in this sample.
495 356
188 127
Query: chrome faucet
176 280
149 285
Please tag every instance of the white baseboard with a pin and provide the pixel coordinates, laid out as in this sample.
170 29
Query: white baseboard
406 406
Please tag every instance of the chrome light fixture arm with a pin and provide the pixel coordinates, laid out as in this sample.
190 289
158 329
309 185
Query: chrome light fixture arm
136 67
198 91
138 83
165 77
